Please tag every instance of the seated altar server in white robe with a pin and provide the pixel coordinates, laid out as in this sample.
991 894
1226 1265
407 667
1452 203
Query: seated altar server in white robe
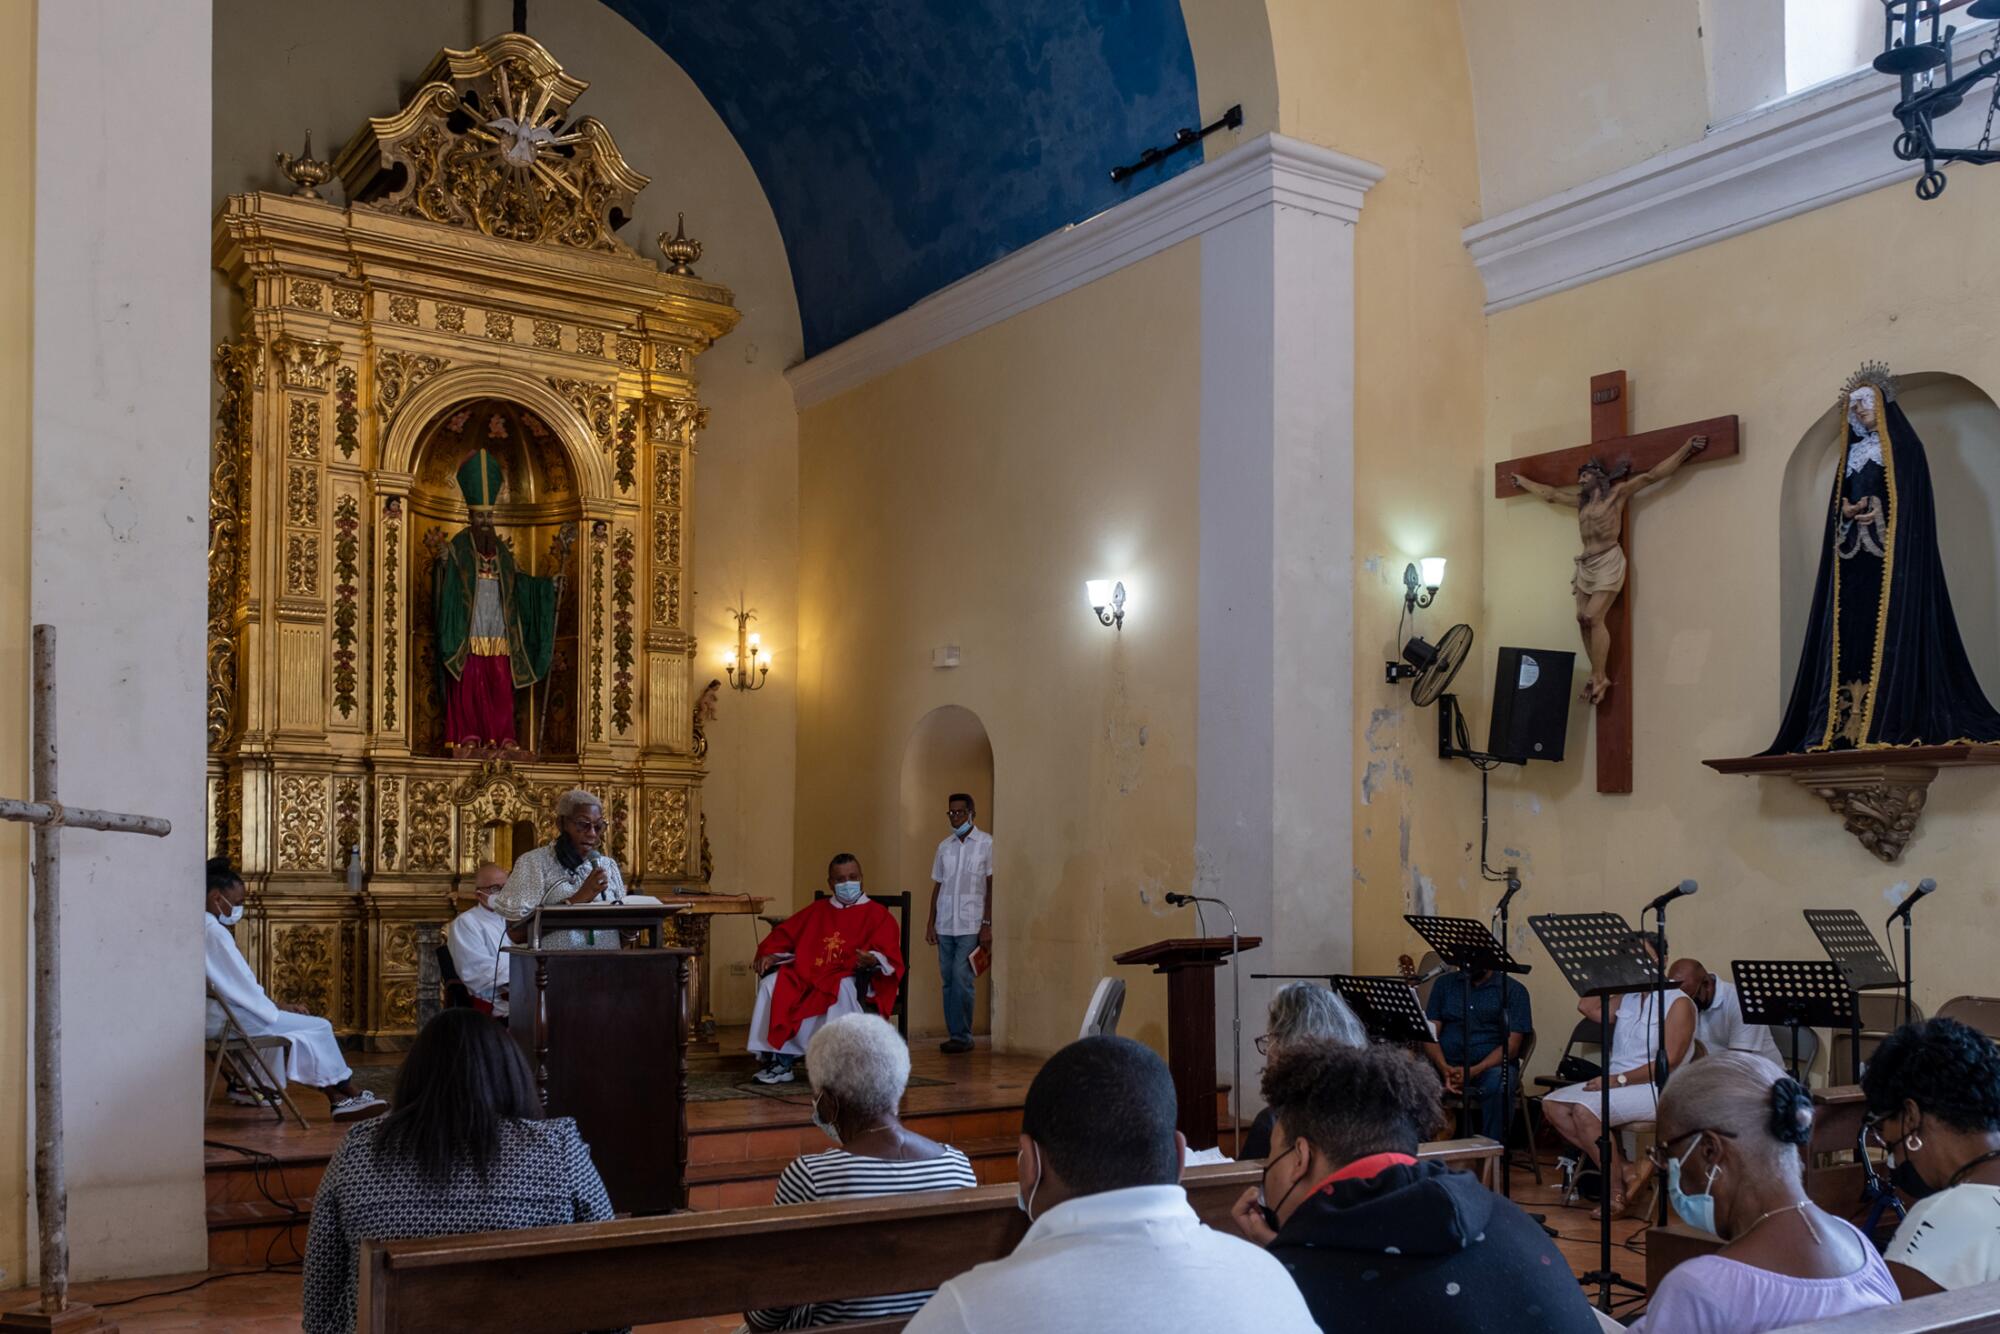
315 1053
476 938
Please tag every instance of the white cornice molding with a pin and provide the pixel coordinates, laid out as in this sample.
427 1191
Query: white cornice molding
1824 145
1271 169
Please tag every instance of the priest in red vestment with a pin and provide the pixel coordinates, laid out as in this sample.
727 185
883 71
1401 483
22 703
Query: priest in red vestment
834 956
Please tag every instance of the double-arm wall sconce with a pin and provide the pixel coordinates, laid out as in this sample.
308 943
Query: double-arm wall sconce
1108 599
749 663
1429 578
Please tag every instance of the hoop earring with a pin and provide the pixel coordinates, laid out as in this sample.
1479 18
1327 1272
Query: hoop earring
1913 1143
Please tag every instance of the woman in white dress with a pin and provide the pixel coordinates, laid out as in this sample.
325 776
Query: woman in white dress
1573 1111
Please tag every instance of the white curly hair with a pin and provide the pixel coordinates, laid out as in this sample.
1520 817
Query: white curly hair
574 800
862 1060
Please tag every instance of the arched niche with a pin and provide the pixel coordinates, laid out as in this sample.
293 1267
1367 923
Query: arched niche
539 517
1960 427
948 751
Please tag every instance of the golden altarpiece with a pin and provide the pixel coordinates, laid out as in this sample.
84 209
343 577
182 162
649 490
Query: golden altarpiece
472 294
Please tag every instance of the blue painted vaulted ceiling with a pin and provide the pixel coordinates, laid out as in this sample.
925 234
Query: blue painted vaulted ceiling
905 143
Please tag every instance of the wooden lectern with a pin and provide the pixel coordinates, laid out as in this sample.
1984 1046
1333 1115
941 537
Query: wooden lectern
606 1034
1190 968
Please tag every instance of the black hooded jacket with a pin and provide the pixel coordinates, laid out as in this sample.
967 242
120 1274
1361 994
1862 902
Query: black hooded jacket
1421 1247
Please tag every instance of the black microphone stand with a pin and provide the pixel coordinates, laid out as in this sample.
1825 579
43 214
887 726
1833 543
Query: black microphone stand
1506 1052
1660 1065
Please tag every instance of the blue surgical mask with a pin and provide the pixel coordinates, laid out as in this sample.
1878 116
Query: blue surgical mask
962 829
232 917
1027 1204
1697 1211
848 891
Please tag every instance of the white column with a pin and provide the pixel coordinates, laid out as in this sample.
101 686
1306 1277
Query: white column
120 486
1274 769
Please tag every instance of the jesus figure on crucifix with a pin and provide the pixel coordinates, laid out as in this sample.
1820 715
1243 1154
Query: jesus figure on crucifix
1599 501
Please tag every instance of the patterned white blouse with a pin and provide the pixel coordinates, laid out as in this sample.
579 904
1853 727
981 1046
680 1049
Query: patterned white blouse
541 1177
540 878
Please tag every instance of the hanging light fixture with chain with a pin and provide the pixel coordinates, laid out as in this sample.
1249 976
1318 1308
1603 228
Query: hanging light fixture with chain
1917 47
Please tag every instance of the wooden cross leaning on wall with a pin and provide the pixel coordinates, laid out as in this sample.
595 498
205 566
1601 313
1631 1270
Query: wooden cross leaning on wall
49 816
1611 442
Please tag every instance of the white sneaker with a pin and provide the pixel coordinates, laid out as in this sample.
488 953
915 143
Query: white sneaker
359 1107
775 1074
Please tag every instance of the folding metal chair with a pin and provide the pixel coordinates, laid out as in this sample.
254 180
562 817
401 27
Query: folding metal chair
243 1057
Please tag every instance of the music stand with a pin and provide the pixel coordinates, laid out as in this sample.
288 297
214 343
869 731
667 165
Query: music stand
1852 947
1798 993
1468 946
1386 1007
1599 955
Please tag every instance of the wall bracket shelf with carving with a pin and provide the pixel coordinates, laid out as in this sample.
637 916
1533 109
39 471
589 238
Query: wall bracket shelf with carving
1879 795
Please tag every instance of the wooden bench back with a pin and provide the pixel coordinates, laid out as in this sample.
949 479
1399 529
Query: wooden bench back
644 1270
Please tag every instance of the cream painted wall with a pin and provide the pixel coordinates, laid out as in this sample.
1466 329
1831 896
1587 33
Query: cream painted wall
962 499
1568 90
283 68
1420 337
17 341
1766 325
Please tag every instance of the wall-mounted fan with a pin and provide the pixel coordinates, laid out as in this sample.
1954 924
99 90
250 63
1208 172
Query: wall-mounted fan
1431 666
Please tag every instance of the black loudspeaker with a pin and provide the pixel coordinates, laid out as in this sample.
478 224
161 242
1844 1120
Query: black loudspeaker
1530 704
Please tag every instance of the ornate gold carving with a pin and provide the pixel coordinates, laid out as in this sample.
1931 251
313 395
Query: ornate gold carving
594 401
599 542
392 577
306 294
346 818
399 945
301 968
302 496
667 478
388 833
305 171
347 303
499 794
228 527
670 356
628 352
548 334
1879 804
667 831
430 825
346 604
677 420
620 818
397 374
302 564
302 823
666 563
451 318
627 457
399 1003
302 428
403 309
590 342
306 362
622 576
483 144
346 411
499 326
680 250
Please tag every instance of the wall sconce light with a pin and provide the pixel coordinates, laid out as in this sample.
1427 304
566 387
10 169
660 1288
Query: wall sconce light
1429 578
749 662
1107 598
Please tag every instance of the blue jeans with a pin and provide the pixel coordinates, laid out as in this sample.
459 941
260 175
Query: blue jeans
955 962
1491 1114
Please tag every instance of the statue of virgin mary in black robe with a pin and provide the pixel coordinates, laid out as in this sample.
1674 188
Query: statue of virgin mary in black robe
1883 663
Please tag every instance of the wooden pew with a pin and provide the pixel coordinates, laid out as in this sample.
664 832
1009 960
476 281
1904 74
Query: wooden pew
643 1270
1966 1311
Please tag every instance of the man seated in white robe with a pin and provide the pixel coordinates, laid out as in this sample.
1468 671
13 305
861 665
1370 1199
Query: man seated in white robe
476 938
314 1052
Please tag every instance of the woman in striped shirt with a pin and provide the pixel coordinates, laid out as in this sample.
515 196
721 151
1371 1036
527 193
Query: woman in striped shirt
859 1067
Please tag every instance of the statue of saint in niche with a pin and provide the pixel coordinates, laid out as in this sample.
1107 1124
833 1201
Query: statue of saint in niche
496 627
1883 664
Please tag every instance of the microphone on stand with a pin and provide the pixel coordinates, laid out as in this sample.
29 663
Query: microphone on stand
1683 889
1924 886
1236 1002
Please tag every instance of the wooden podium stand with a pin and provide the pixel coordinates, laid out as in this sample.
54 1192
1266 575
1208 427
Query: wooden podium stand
606 1034
1190 968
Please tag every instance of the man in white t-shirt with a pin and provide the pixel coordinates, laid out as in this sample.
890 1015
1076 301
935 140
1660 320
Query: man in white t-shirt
1718 1016
961 914
1112 1243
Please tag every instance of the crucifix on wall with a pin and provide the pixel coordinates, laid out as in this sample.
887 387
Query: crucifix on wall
1599 480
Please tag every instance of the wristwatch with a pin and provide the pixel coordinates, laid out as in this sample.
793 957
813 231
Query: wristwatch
1619 1080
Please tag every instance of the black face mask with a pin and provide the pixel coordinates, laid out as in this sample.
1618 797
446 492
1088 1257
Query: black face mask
1270 1211
1906 1178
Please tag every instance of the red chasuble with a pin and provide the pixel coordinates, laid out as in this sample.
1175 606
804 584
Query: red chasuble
826 942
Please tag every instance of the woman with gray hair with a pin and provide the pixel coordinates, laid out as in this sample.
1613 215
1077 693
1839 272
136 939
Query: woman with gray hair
572 869
859 1066
1731 1129
1300 1012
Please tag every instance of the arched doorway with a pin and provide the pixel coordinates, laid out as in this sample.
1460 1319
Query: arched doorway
948 752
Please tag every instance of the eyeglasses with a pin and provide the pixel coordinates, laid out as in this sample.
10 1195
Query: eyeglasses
1264 1045
1659 1155
590 826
